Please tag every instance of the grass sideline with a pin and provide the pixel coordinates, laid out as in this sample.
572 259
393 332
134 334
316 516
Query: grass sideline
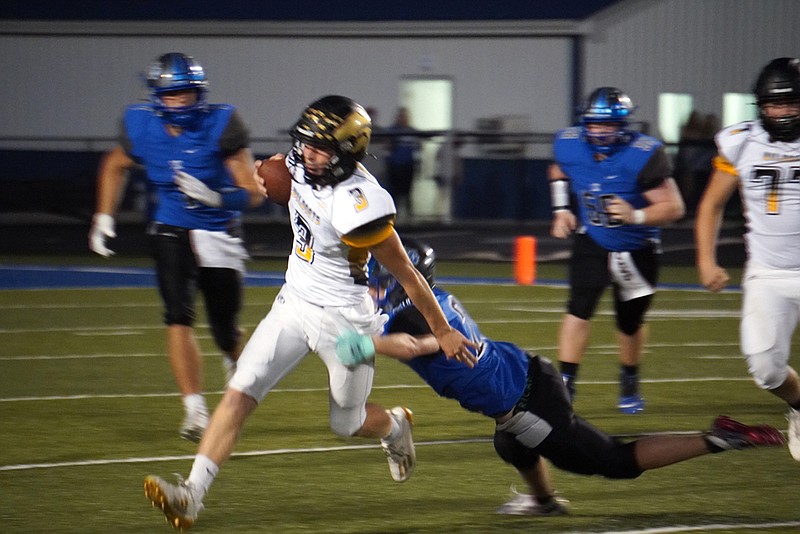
88 408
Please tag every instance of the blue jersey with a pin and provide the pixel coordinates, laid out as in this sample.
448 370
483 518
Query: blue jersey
403 147
199 151
627 173
492 387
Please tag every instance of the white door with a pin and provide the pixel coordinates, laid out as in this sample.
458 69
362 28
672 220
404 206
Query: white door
429 101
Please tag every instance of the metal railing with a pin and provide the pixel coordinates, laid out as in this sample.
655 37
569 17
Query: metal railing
458 173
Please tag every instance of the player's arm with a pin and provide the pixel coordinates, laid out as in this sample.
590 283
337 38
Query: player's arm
402 346
665 203
391 254
564 221
353 348
707 222
112 177
241 166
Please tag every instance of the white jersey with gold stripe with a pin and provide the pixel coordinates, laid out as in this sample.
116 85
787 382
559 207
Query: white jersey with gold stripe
769 183
323 268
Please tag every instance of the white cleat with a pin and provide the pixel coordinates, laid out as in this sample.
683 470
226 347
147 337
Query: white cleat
177 501
524 504
194 424
400 453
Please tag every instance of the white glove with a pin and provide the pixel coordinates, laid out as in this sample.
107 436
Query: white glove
102 229
194 188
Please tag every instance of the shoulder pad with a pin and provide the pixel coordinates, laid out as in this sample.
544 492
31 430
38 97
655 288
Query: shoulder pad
573 132
358 201
645 142
728 139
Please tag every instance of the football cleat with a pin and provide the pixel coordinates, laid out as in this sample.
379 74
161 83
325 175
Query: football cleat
632 404
524 504
194 424
727 433
400 453
177 501
794 433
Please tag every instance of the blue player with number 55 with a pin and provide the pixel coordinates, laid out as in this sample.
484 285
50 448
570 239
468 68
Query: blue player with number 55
619 182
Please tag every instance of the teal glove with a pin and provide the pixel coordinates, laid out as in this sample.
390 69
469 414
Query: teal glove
353 348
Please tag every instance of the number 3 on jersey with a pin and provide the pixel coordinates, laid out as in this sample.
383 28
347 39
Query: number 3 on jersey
304 242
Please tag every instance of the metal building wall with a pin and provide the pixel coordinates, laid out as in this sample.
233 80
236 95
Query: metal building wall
77 84
68 83
701 47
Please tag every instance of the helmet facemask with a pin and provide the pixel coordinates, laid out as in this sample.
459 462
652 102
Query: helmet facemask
336 124
607 105
177 72
779 83
782 128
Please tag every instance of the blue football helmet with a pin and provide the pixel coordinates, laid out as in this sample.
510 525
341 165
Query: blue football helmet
388 292
779 82
607 105
177 72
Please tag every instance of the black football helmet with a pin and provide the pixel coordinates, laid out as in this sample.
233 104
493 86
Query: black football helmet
335 123
177 72
607 105
389 292
779 82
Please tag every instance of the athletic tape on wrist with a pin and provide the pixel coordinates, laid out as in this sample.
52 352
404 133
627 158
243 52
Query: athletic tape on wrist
559 194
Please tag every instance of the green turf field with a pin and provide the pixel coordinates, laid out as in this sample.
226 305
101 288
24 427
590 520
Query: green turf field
88 408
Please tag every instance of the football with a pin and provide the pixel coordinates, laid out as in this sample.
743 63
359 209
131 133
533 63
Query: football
277 180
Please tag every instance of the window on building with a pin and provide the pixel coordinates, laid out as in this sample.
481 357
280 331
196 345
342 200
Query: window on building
737 107
673 111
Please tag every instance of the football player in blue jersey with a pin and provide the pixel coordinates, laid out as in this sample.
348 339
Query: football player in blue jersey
619 183
200 174
526 396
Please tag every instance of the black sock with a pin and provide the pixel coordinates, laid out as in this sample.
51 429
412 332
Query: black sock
569 369
629 380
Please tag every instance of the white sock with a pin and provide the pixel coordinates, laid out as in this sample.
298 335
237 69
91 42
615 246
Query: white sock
394 433
194 403
202 475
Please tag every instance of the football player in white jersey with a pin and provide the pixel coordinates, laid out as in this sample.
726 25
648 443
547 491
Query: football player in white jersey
339 215
761 159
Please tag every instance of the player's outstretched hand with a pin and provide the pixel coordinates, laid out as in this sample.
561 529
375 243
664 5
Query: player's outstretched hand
102 229
456 346
194 188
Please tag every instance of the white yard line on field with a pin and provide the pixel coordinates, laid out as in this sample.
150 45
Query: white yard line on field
89 396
